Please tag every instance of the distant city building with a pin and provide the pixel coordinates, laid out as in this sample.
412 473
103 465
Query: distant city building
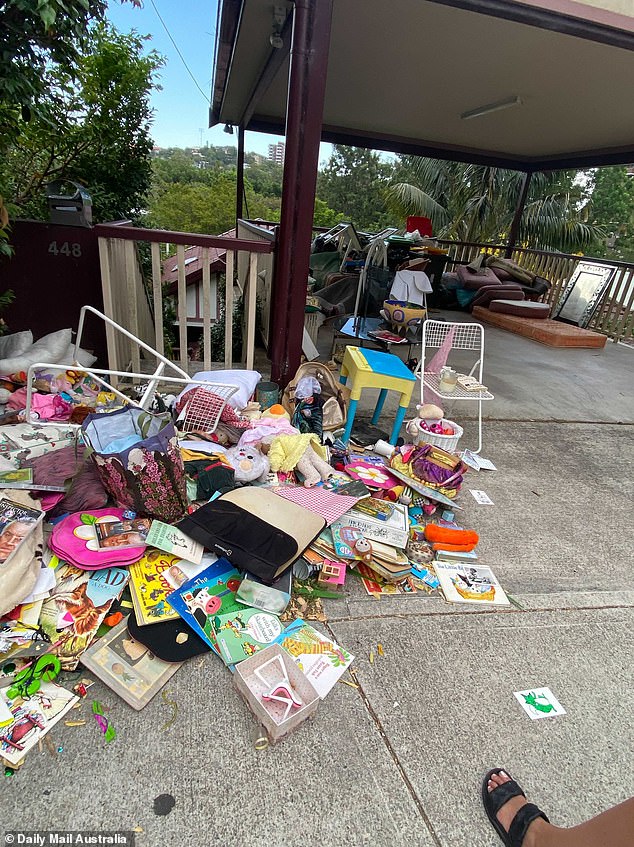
276 152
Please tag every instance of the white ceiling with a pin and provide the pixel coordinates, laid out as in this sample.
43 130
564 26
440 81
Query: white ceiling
404 71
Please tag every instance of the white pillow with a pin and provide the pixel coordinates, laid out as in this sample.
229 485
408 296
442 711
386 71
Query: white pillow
244 380
49 349
83 357
18 342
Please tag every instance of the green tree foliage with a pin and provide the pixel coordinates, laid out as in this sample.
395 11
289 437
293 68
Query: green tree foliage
194 190
612 208
93 129
37 34
477 203
352 184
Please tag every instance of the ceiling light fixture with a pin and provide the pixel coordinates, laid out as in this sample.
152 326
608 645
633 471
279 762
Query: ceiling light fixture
516 100
228 129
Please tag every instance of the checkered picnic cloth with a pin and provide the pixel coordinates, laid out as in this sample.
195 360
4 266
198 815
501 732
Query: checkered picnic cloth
326 503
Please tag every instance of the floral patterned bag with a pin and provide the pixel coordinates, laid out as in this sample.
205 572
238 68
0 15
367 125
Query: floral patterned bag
148 476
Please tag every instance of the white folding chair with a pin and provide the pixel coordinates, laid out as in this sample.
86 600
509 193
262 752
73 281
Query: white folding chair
454 336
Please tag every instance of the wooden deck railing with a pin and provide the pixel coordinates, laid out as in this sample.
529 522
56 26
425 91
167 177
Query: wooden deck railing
127 299
614 315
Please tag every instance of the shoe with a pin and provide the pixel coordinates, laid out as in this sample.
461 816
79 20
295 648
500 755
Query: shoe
493 802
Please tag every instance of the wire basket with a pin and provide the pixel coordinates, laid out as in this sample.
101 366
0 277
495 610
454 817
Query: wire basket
446 442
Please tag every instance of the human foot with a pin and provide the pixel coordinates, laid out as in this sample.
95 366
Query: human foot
514 819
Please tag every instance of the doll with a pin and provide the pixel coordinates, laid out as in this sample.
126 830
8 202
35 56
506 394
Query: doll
308 416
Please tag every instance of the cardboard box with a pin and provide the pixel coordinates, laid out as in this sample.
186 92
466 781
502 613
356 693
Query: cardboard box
271 713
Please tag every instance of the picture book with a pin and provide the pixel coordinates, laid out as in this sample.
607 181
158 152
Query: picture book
123 533
16 523
462 582
149 587
211 592
169 539
32 719
322 660
243 633
77 606
128 667
344 538
393 530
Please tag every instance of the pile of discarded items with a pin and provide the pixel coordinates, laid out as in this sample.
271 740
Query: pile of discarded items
136 540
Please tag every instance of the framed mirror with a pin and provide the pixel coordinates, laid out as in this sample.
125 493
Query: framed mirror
582 294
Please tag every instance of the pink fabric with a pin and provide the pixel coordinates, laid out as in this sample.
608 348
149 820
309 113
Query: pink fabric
321 501
51 407
70 547
437 363
266 427
17 400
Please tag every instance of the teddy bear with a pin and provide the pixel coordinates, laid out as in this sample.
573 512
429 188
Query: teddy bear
249 463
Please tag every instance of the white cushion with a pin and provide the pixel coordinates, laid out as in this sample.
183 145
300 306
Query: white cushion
244 380
18 342
83 357
51 348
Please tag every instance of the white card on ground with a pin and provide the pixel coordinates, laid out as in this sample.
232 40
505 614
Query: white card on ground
540 703
481 497
478 463
486 464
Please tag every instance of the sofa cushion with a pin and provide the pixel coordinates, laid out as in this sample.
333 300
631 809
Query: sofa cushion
524 309
508 290
476 279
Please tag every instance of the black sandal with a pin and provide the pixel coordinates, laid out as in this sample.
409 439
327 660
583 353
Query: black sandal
493 802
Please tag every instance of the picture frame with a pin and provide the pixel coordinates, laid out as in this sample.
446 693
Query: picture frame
583 293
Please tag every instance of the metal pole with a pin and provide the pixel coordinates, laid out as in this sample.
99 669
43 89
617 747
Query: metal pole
306 93
240 177
517 217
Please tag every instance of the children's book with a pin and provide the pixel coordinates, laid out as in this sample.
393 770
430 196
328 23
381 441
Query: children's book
17 522
32 719
243 633
343 539
77 606
169 539
149 586
465 583
123 533
322 660
210 593
128 667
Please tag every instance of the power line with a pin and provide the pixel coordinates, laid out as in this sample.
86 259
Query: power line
169 34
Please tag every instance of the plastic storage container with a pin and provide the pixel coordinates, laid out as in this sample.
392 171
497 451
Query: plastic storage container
271 713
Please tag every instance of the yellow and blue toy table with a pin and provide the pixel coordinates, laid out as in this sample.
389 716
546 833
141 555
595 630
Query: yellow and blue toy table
373 369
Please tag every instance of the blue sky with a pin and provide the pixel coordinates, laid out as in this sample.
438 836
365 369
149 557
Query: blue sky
181 110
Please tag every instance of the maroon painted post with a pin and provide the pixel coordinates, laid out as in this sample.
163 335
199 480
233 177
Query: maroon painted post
240 177
306 92
517 217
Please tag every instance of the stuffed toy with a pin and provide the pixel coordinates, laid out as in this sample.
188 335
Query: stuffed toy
445 538
290 452
249 464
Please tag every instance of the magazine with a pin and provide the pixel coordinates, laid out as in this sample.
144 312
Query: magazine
462 582
123 533
128 667
32 719
171 540
77 606
16 523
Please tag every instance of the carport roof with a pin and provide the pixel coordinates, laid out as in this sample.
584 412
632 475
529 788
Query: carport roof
401 74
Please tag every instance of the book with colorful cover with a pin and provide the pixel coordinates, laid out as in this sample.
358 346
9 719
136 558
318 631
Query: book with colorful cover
170 539
17 522
128 532
466 583
210 593
243 633
128 667
149 587
32 719
320 658
77 606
